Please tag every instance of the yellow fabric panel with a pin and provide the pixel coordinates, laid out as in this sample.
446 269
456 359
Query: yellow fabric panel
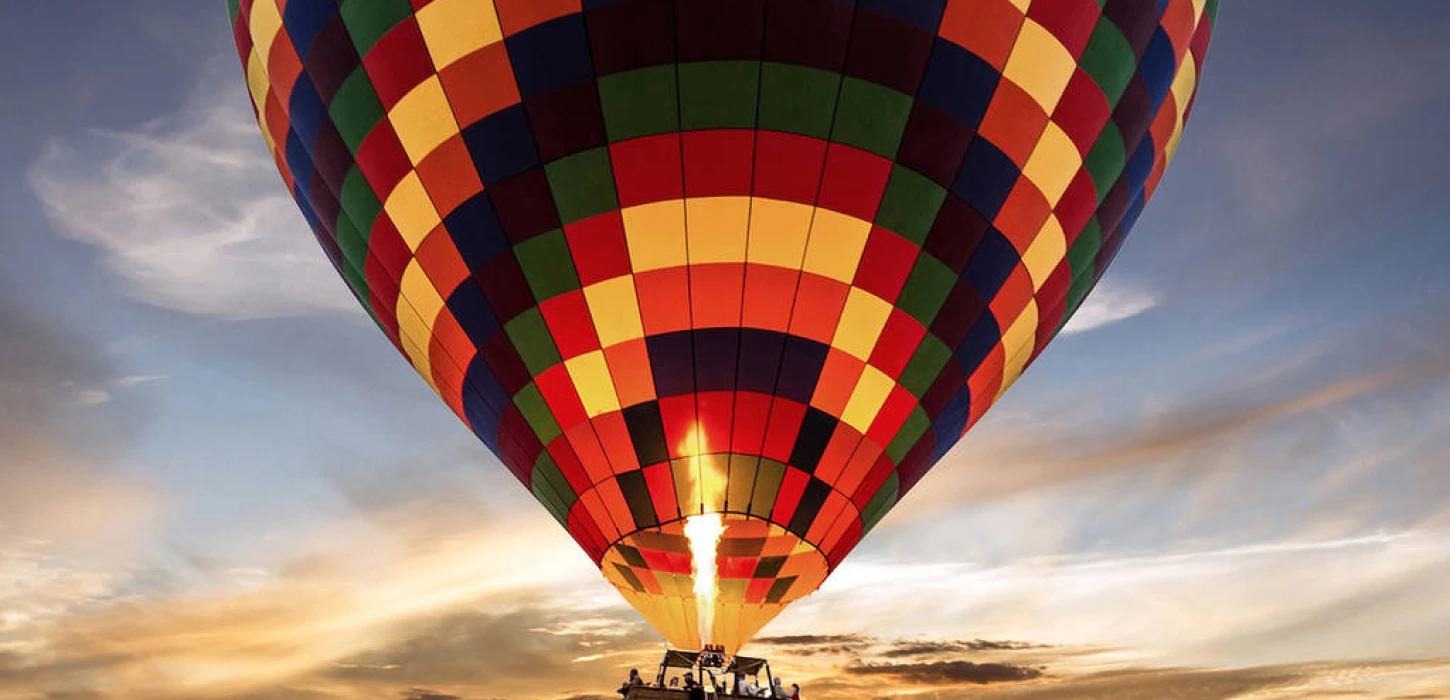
716 228
1019 4
614 305
778 232
1018 342
1047 250
423 119
655 234
412 211
592 380
422 366
871 392
836 242
1053 164
264 22
742 478
258 85
861 322
1172 146
417 309
1180 92
1184 82
713 473
453 29
1040 65
687 487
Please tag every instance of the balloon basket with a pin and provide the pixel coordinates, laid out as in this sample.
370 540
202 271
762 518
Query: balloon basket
715 672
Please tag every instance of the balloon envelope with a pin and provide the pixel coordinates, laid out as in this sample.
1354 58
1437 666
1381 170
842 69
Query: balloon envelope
764 258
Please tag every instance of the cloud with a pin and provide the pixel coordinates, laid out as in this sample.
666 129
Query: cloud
1109 303
949 672
815 645
1326 374
137 379
813 639
400 580
1153 684
902 649
189 211
1199 605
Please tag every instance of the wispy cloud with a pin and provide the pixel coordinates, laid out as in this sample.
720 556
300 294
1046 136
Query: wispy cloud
948 672
349 593
137 379
1172 607
404 614
1109 303
189 211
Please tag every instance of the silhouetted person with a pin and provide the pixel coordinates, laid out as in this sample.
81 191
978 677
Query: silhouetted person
634 680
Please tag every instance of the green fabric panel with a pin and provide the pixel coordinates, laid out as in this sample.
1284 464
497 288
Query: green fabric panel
358 281
360 209
639 102
1075 295
881 503
1083 254
926 363
779 589
912 430
732 588
355 109
359 201
1106 160
545 480
548 265
233 7
583 185
1210 10
368 20
629 577
531 338
556 477
1079 291
926 289
718 94
536 412
797 99
354 257
1109 60
910 204
767 486
871 117
352 242
687 492
741 482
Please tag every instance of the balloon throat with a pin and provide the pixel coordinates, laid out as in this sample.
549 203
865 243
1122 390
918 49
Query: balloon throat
703 532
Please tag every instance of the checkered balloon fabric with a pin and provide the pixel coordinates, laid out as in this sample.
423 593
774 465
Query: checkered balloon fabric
764 258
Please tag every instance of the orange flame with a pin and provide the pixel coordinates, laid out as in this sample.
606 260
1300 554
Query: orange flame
703 532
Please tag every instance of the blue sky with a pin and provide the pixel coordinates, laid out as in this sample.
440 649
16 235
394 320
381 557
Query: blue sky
1235 465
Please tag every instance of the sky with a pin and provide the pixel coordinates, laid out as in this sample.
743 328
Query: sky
1229 478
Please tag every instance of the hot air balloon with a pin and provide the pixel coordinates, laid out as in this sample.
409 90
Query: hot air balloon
729 272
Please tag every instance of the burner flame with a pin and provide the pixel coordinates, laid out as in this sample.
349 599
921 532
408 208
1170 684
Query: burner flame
703 532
